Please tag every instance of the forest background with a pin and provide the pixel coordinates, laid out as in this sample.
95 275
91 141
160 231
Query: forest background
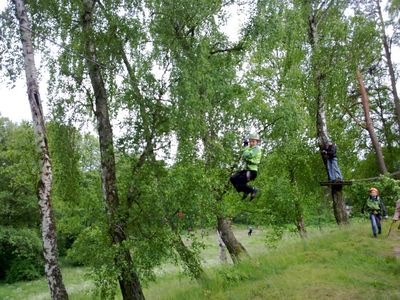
182 96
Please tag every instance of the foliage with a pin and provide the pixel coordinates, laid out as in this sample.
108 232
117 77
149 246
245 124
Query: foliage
76 186
389 191
183 96
104 271
19 175
20 255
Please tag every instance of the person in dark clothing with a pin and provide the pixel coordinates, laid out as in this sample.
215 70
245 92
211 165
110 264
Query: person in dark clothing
250 231
251 156
375 208
329 151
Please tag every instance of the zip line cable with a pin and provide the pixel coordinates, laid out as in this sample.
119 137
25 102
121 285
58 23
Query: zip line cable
375 178
43 37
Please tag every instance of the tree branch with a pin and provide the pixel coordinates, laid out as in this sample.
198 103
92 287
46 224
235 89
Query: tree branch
238 47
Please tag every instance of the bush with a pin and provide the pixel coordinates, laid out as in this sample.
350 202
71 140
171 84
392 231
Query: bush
389 191
20 255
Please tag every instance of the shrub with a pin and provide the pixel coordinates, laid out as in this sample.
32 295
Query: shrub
389 191
20 255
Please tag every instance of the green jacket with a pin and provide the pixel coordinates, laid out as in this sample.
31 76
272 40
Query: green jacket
375 205
252 157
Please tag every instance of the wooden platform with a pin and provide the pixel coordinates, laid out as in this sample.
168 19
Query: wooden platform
329 183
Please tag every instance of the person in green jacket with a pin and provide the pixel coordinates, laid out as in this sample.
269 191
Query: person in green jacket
251 156
375 207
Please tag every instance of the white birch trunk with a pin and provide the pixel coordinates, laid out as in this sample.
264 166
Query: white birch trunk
52 269
321 122
222 249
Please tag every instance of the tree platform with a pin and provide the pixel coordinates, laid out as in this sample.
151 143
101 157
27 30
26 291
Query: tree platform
329 183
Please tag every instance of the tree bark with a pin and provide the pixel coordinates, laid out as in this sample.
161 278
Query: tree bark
321 123
389 63
128 281
235 248
369 124
339 206
49 238
222 249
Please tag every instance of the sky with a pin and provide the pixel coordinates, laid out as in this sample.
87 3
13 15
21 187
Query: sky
14 101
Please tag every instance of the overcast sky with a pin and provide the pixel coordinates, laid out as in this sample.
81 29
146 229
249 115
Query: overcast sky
14 102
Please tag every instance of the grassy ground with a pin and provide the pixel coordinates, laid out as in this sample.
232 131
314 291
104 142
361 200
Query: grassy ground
77 285
344 263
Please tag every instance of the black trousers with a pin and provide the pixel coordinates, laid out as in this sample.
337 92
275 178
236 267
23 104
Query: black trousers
240 180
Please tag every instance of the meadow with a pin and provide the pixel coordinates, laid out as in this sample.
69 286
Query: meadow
332 263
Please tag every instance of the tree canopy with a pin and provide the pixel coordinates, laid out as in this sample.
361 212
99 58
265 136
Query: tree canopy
170 97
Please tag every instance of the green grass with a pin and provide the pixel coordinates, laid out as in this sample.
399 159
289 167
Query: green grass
77 285
335 263
345 263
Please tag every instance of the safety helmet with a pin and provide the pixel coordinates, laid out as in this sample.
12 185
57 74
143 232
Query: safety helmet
254 136
373 190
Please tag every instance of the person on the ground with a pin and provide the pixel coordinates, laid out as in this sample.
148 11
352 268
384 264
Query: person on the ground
375 207
252 157
250 231
396 215
329 151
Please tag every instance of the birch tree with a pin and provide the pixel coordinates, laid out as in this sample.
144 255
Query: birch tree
50 252
203 85
128 279
317 16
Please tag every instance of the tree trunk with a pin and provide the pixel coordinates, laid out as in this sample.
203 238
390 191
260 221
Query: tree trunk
129 282
369 125
49 238
235 248
339 205
222 249
321 123
389 63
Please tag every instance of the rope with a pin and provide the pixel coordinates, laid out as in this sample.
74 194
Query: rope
375 178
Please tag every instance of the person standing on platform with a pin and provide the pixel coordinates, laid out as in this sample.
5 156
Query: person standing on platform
329 151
